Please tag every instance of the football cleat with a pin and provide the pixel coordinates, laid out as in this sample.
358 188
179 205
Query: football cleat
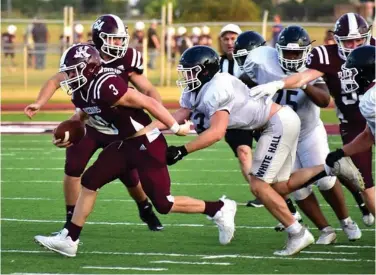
280 227
346 170
351 230
225 220
328 236
255 203
368 219
148 216
61 243
296 243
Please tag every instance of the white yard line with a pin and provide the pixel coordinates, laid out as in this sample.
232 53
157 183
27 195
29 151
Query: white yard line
237 256
118 182
137 224
188 263
171 170
124 268
354 246
328 252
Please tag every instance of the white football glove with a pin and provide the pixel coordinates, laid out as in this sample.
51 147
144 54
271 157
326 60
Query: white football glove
268 89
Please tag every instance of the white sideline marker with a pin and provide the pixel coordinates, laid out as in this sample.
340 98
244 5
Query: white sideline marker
354 246
124 268
188 263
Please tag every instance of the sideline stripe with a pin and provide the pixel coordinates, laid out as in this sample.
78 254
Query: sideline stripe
124 268
172 224
189 263
239 256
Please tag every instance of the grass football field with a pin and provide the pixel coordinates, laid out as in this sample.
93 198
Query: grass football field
115 240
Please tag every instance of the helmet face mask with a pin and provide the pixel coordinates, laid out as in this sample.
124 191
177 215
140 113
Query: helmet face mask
188 78
74 78
240 56
80 64
197 66
351 26
291 61
110 36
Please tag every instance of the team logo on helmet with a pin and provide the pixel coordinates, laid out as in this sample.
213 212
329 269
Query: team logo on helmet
81 52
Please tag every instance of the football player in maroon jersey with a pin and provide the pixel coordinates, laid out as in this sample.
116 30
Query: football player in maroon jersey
351 31
141 146
110 37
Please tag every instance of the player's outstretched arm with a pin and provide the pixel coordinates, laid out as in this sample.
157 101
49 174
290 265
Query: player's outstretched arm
47 91
135 99
318 93
181 116
145 86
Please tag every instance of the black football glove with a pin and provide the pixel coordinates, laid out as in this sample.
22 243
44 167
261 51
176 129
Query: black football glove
332 157
175 153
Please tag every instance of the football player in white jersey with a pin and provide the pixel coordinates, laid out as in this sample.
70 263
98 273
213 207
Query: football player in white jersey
225 103
268 64
358 75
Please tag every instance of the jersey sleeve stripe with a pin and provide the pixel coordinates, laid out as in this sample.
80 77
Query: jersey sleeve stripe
96 90
100 84
318 49
324 50
138 59
134 56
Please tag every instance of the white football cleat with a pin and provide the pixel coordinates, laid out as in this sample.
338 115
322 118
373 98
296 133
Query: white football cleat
328 236
368 220
60 243
225 220
280 227
296 243
351 230
346 170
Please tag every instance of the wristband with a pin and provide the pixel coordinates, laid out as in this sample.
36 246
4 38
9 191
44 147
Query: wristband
175 127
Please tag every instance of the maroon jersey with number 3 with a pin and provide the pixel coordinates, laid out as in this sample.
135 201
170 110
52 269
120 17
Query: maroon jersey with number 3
103 92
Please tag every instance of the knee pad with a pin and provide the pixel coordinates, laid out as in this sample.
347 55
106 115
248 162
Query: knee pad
163 204
74 169
326 183
302 193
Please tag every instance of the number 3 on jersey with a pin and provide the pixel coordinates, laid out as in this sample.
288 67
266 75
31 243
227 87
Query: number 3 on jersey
287 97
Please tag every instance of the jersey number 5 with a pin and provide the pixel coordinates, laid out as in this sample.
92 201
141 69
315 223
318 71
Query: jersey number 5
289 100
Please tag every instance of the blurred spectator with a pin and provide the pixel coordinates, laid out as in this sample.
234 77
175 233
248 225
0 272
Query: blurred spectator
227 38
29 42
64 39
171 31
276 30
183 42
153 44
138 36
89 36
369 10
329 38
195 37
7 39
78 36
40 37
205 38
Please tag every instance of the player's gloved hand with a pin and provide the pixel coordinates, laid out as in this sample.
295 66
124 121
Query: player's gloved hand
175 153
31 109
268 89
333 157
60 143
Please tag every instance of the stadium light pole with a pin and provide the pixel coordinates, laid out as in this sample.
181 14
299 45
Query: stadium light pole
9 8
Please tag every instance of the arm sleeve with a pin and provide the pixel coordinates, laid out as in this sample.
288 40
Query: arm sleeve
111 89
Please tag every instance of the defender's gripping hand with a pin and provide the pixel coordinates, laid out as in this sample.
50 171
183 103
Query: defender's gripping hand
175 153
333 157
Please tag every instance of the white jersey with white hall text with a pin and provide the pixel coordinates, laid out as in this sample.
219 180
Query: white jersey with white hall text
367 107
262 66
226 92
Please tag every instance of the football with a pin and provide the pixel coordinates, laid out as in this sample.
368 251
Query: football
70 130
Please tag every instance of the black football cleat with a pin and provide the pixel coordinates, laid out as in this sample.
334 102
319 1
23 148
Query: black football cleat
255 203
148 216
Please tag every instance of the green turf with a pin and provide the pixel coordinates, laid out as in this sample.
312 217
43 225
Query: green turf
327 116
32 203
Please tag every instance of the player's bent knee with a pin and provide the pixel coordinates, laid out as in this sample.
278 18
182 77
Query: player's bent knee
90 182
74 170
326 183
163 204
302 193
